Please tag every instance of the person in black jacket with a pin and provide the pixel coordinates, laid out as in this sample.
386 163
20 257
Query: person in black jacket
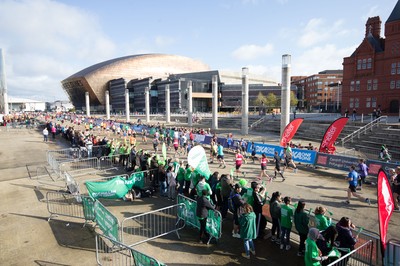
203 205
258 202
345 236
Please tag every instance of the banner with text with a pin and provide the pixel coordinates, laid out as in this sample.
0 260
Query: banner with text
107 222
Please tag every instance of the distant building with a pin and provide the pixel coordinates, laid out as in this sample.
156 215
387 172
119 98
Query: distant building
59 106
371 75
25 105
319 92
155 72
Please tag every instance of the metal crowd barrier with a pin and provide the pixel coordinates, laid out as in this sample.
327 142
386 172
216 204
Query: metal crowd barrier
356 257
150 225
64 204
111 252
392 253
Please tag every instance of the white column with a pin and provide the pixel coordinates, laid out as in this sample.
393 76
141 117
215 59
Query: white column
285 92
127 111
189 103
147 103
3 85
87 104
108 105
214 124
245 101
167 105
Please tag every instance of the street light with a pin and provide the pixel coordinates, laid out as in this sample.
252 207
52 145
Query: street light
338 93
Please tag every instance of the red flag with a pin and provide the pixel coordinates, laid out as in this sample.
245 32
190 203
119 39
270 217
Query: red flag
385 207
332 133
290 131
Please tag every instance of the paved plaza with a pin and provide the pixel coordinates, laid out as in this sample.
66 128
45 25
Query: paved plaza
27 238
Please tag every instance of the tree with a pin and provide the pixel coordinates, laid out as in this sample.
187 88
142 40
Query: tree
293 99
271 100
260 100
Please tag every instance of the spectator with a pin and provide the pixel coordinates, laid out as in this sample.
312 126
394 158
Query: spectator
45 134
226 187
345 236
275 211
301 223
203 205
321 221
354 115
258 202
237 202
171 177
396 189
313 255
248 229
286 223
203 185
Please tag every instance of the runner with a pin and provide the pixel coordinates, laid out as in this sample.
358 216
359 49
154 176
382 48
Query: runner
238 162
352 178
220 151
277 169
264 161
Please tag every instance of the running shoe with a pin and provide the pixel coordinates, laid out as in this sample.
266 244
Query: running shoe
368 201
253 252
288 247
244 255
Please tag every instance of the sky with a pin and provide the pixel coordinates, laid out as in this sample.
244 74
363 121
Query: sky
46 41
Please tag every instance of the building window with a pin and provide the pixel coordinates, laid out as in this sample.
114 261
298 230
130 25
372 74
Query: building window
357 85
373 102
356 103
369 63
351 103
368 102
364 63
369 85
393 84
398 84
359 61
393 69
352 86
375 86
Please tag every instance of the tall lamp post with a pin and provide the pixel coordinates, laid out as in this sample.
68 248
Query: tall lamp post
338 95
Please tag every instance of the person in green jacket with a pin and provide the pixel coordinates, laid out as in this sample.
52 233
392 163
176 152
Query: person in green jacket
286 223
188 177
181 177
301 223
321 222
248 230
312 255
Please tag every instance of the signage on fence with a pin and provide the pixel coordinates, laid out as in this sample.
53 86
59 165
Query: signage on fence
298 155
336 161
107 222
143 260
374 166
188 214
88 208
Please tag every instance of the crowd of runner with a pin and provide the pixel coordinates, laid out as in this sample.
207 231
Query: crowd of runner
227 193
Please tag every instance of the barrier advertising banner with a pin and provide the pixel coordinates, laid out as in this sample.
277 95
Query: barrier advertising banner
142 259
88 208
336 161
331 134
188 214
107 222
290 130
112 189
137 179
298 155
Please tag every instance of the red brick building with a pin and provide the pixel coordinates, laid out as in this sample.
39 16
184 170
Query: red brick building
371 75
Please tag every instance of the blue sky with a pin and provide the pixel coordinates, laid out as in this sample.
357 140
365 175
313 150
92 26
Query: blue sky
46 41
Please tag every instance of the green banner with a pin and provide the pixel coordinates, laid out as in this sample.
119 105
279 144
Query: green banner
115 188
138 179
198 160
188 214
107 222
88 208
144 260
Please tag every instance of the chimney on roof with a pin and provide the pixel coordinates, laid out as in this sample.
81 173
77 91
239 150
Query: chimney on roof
373 26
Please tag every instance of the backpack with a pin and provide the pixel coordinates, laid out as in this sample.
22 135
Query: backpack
231 203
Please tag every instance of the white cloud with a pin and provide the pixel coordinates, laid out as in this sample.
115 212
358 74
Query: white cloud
317 31
252 51
320 58
46 41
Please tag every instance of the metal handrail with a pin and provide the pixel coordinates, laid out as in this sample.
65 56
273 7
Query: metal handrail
364 129
258 121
